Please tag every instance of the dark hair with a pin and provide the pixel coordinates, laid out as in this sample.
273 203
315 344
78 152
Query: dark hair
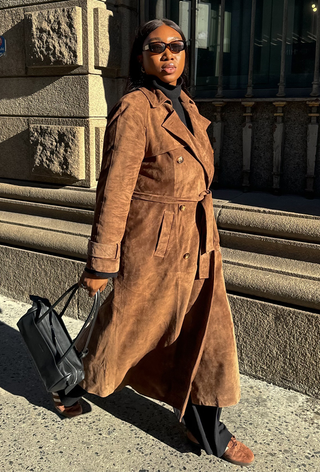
136 77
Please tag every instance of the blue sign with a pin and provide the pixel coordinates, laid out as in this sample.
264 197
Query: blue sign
2 46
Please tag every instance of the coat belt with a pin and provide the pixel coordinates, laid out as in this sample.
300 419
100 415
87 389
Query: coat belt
205 198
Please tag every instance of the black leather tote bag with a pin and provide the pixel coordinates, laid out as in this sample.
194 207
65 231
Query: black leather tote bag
50 345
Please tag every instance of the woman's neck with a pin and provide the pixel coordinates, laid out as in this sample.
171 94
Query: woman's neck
171 91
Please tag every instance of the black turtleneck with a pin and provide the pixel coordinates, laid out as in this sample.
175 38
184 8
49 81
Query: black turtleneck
173 92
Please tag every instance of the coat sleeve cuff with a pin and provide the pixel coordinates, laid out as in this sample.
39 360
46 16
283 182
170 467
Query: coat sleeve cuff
103 257
103 251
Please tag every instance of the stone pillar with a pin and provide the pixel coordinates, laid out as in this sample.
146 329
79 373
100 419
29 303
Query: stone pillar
312 141
278 135
247 145
218 126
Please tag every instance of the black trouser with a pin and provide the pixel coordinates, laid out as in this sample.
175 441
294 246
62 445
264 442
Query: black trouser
202 421
205 425
69 399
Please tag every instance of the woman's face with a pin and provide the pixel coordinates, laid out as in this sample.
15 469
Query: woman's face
167 65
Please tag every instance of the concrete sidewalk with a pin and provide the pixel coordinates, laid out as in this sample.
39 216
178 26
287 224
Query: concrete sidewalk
127 432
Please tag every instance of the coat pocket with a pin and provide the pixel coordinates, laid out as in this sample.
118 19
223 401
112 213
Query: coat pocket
164 233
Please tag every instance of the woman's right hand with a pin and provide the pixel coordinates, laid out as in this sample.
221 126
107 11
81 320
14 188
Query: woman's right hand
92 283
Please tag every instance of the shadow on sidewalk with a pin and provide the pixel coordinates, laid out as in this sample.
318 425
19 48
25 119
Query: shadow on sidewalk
19 377
150 417
18 374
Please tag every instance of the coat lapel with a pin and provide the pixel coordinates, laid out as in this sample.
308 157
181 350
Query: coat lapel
198 142
200 137
178 130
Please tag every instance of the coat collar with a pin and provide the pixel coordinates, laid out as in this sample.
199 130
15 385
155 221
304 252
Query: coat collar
197 141
156 97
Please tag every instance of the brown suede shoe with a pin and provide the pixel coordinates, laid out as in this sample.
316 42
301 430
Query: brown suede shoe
237 453
67 411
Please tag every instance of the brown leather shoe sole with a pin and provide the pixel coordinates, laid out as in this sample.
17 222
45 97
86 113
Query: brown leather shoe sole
66 411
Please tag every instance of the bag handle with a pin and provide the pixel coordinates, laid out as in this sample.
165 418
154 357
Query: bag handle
72 289
94 311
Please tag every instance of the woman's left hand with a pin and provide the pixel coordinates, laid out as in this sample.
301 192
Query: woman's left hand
92 283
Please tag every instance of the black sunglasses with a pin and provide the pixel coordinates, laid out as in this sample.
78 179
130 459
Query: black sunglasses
159 47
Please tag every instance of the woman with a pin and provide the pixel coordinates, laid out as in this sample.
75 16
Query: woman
166 329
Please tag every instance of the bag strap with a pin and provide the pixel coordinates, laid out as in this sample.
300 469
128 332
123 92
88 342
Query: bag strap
94 311
68 301
93 314
72 289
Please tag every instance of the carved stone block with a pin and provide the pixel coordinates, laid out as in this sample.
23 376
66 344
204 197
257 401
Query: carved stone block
54 37
57 152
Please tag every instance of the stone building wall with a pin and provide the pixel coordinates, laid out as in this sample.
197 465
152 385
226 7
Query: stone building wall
266 144
63 71
59 77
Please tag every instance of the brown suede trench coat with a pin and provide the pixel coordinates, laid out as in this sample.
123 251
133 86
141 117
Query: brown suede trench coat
166 329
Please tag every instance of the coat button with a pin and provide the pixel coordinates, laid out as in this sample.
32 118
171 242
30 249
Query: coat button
182 207
180 160
186 256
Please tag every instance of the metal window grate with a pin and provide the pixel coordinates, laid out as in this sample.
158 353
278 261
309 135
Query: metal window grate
282 44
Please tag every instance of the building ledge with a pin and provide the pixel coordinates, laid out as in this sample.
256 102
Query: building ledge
272 278
270 246
66 196
43 234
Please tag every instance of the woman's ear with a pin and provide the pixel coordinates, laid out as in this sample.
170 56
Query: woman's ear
140 60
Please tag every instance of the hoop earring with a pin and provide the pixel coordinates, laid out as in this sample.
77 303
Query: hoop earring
142 70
